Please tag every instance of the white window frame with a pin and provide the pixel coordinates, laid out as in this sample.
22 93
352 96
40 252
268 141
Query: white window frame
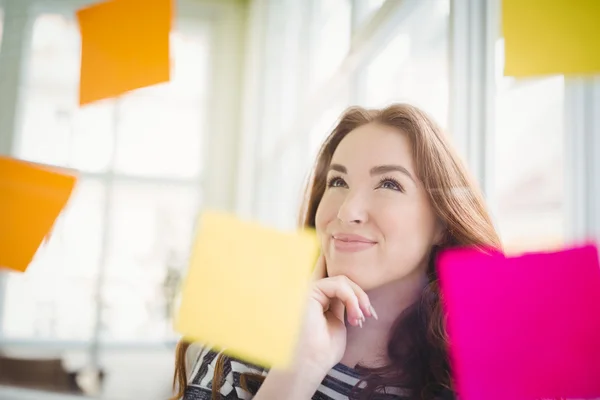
476 27
582 158
227 18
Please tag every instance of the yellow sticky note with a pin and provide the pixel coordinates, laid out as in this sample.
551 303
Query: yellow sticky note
545 37
124 46
245 290
31 198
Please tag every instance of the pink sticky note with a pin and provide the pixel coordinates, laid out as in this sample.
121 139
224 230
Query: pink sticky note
523 328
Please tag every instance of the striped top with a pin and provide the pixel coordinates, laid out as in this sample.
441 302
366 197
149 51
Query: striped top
337 385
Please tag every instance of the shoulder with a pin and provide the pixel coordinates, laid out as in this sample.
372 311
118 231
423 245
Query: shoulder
201 378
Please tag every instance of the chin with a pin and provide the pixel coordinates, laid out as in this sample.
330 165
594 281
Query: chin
356 274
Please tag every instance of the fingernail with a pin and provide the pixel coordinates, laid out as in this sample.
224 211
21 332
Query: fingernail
373 312
360 322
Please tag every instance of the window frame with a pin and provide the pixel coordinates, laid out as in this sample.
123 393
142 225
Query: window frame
225 20
582 158
581 146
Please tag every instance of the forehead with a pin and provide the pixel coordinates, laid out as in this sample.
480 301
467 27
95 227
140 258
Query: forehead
375 144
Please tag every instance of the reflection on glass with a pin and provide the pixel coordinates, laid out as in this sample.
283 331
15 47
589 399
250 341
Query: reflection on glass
528 166
55 298
413 66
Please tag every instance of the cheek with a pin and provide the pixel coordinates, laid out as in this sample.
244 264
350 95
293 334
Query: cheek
408 226
326 212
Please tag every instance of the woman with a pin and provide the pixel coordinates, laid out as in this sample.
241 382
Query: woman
387 194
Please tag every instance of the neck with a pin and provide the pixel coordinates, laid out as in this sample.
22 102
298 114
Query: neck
368 345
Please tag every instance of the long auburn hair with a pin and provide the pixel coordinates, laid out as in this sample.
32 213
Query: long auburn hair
417 346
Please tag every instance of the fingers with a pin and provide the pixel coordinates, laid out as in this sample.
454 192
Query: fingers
355 301
338 309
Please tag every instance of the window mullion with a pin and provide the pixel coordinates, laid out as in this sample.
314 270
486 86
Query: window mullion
101 278
15 36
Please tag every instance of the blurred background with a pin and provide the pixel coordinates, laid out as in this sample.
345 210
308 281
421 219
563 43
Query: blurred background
257 85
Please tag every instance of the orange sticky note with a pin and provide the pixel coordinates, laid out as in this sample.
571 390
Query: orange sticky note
124 46
246 288
31 198
546 37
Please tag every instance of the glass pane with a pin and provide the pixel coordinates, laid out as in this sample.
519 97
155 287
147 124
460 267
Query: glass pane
413 67
374 5
324 126
55 54
287 172
189 67
55 299
366 9
159 138
144 246
151 227
54 132
160 128
528 179
54 129
332 39
45 135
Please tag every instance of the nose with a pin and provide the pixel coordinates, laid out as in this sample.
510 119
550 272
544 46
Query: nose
353 210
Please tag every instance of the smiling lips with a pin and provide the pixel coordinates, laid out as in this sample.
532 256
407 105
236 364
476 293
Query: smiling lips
351 243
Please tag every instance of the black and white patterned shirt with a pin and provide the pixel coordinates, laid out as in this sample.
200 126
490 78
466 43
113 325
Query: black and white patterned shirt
337 385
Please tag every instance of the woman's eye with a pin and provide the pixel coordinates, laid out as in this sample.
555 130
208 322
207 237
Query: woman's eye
336 182
390 184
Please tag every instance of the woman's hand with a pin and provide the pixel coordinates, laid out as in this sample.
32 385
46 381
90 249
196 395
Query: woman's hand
331 300
323 338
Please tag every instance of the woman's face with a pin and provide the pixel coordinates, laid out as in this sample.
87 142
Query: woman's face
375 222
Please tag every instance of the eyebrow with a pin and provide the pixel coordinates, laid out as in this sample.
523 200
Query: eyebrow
377 170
